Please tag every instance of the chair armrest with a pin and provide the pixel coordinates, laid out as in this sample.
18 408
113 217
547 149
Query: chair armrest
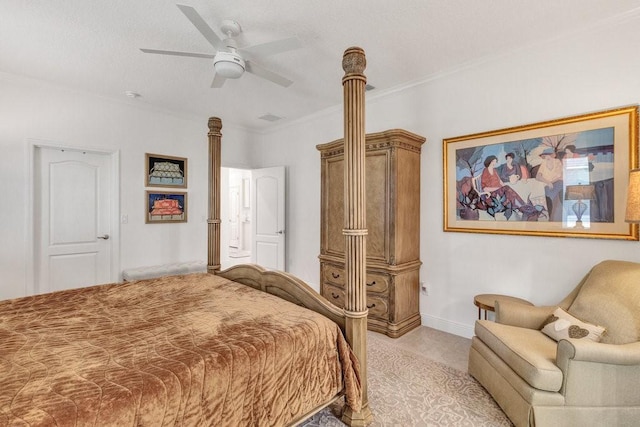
522 315
590 351
597 374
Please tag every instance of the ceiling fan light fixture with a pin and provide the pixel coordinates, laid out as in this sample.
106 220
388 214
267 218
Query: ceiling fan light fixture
229 65
227 58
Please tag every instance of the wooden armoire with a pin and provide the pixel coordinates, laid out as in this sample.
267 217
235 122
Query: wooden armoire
392 176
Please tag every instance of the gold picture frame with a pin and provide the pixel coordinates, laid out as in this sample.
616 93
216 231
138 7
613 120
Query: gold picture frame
165 171
165 207
565 178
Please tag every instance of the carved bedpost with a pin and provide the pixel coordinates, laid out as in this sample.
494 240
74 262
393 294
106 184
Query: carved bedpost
355 225
213 222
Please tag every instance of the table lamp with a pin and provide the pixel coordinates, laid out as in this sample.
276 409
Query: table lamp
580 192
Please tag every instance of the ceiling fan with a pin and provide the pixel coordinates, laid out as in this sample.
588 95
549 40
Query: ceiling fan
229 61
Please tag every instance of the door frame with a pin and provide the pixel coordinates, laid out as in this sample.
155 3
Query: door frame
114 158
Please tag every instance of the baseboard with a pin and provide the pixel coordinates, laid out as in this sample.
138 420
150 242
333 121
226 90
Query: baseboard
394 330
459 329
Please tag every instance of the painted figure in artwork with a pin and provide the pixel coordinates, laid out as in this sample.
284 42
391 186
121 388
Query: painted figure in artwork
550 173
493 185
512 172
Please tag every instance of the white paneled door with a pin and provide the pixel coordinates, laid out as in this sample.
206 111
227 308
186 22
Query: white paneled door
268 217
72 205
234 216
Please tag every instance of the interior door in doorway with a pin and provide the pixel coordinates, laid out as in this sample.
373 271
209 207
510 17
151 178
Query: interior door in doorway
268 217
234 216
72 205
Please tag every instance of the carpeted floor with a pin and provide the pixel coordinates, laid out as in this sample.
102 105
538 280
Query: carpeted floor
408 389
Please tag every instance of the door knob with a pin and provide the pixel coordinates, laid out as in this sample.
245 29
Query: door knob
280 232
104 237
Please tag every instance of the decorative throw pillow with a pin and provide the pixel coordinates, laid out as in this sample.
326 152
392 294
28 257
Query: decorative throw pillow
562 325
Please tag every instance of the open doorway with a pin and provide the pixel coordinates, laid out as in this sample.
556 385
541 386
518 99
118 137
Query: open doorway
252 216
235 216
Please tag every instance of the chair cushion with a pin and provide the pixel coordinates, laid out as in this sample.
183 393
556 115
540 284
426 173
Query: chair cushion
610 297
529 352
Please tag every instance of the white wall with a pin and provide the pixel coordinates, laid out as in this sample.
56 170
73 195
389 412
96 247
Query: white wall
35 110
589 72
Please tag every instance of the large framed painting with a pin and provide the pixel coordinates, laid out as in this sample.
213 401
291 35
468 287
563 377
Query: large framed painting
565 178
165 171
163 207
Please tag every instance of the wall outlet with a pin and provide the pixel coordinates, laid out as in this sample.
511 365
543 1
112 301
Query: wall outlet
424 290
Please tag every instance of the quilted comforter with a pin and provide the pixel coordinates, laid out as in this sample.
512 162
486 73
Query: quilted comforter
191 350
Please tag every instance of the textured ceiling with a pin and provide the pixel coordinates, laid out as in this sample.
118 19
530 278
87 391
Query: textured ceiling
93 46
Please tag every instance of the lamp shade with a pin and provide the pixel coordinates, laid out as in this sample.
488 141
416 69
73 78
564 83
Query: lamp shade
633 197
580 192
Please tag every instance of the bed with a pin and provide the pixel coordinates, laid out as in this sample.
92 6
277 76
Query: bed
243 346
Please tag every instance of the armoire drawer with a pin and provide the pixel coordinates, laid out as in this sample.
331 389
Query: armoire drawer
334 294
377 305
375 282
334 275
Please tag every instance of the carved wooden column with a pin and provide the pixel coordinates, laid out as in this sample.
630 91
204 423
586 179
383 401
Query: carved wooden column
213 222
355 226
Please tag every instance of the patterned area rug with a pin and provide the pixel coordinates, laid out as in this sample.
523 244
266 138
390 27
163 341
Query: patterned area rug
407 389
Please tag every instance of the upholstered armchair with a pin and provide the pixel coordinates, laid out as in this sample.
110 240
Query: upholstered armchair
545 368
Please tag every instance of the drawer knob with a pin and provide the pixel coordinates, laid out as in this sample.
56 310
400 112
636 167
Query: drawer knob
334 295
371 305
372 283
334 275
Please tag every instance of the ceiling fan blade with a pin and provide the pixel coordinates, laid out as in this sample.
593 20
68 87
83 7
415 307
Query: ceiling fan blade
201 25
176 53
259 71
272 48
218 81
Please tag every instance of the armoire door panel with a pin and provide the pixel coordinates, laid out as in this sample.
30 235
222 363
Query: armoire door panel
377 189
407 209
334 209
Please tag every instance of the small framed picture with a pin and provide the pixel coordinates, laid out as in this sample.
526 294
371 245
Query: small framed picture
163 207
165 171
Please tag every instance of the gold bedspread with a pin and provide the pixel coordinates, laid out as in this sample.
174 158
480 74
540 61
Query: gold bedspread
192 350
